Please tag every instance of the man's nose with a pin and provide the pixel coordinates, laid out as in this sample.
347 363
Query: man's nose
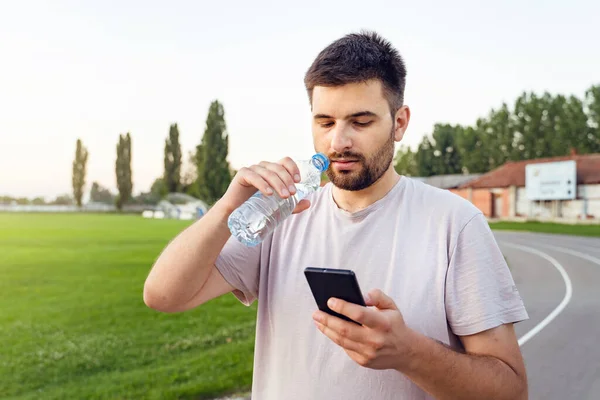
341 140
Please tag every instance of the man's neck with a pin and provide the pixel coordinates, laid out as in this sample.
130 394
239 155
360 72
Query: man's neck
353 201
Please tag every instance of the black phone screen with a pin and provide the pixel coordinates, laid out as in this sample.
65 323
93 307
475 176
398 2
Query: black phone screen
331 282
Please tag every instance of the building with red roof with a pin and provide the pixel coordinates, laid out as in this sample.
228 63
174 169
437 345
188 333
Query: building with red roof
504 192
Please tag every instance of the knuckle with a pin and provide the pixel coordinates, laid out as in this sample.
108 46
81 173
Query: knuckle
359 315
370 355
376 343
337 339
344 331
283 173
269 174
362 361
254 168
386 326
290 164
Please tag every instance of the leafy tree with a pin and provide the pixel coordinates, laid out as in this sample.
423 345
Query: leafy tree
446 154
214 175
592 102
172 160
406 161
425 158
100 194
79 172
123 170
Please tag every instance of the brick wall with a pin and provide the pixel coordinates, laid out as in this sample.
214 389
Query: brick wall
482 199
505 203
461 192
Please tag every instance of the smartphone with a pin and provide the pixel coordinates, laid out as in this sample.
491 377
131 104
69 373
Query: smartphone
331 282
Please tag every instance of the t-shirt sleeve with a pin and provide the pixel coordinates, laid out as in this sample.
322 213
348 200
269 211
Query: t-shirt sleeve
240 266
480 290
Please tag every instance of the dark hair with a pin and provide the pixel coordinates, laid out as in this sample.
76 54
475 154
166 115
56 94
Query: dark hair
359 57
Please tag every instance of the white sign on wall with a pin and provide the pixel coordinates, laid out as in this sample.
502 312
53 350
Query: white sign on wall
551 181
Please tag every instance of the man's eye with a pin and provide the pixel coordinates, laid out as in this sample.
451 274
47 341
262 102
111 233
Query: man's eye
363 124
326 124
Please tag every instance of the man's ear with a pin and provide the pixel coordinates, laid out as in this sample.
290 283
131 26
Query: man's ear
401 120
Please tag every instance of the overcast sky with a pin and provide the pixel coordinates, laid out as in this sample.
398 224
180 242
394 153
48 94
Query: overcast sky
93 70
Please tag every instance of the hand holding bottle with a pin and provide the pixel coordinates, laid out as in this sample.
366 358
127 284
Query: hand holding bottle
283 191
268 178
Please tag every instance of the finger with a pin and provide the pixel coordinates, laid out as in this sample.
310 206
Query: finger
380 300
283 173
250 178
342 327
273 179
358 357
363 315
342 341
292 168
301 206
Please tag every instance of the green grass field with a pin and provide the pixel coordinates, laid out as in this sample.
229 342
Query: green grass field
544 227
73 324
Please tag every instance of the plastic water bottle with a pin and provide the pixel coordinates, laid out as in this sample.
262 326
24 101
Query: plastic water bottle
260 215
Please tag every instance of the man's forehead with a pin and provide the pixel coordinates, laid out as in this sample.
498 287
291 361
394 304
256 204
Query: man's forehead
349 99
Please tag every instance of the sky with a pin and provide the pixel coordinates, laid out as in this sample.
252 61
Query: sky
94 70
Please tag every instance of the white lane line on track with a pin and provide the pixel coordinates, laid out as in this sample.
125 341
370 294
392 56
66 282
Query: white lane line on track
572 252
568 294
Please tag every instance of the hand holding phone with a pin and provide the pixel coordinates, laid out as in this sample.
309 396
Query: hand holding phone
326 283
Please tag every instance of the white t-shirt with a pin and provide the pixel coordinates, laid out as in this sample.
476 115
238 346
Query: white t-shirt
430 250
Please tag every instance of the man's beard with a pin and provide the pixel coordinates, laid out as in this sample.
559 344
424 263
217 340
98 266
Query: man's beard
370 171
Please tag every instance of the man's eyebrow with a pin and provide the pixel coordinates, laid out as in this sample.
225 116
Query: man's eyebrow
354 115
362 114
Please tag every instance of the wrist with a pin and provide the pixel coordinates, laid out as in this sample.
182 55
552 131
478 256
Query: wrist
412 344
223 209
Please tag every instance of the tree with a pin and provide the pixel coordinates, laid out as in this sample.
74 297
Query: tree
535 122
425 158
497 136
446 155
214 174
575 127
189 177
199 159
63 200
172 160
592 101
470 146
159 188
538 126
406 161
99 194
79 171
123 170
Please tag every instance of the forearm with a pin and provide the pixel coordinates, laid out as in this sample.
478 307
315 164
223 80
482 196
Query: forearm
447 374
185 264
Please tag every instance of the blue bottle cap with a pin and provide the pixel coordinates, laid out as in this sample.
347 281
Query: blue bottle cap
320 161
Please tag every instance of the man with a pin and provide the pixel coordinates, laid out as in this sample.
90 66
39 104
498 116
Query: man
441 300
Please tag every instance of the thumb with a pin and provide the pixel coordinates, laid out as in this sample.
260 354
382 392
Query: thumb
380 300
301 206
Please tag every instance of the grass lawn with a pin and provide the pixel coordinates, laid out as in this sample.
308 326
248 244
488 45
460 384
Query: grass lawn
73 324
545 227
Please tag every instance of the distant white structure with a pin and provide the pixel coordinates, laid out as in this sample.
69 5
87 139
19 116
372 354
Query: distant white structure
178 206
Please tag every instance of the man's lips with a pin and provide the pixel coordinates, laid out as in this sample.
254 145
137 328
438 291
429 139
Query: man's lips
344 164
